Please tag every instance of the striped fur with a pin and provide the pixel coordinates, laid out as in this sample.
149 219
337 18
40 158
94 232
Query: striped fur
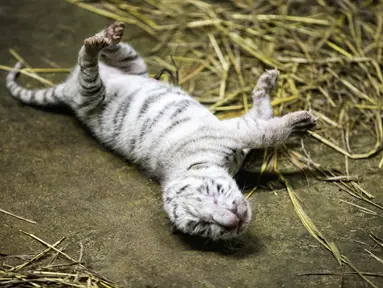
168 133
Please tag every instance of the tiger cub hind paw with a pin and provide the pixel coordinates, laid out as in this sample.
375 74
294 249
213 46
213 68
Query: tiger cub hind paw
115 32
95 43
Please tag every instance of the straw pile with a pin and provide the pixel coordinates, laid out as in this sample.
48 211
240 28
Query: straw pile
52 267
329 56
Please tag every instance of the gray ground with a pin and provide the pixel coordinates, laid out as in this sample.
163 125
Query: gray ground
52 171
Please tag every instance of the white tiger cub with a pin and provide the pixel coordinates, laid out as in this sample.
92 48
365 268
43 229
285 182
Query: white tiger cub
168 133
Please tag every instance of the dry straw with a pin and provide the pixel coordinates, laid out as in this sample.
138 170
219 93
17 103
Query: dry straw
52 267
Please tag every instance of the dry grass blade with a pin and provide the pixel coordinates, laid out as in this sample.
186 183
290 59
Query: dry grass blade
307 222
228 98
32 75
369 154
269 17
380 260
38 256
363 276
18 217
244 45
267 159
376 239
345 178
345 273
19 58
47 70
362 209
49 246
114 16
352 88
100 12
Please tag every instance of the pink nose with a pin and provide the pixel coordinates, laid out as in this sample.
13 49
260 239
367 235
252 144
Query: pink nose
232 223
226 218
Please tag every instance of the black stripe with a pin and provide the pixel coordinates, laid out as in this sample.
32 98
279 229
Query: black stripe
54 95
13 89
148 128
173 125
179 191
92 88
43 96
195 139
114 96
18 94
24 94
151 99
166 131
192 225
30 95
11 85
93 99
93 78
141 73
124 108
169 129
197 164
223 151
203 164
84 66
91 95
168 199
96 89
129 58
182 93
148 125
111 49
253 121
183 105
90 75
204 232
16 91
175 207
83 84
96 107
106 106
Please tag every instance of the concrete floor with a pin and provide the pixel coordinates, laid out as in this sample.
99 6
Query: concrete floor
52 171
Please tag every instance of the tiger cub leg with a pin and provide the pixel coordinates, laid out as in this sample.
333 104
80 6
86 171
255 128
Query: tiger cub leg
121 55
261 109
90 85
